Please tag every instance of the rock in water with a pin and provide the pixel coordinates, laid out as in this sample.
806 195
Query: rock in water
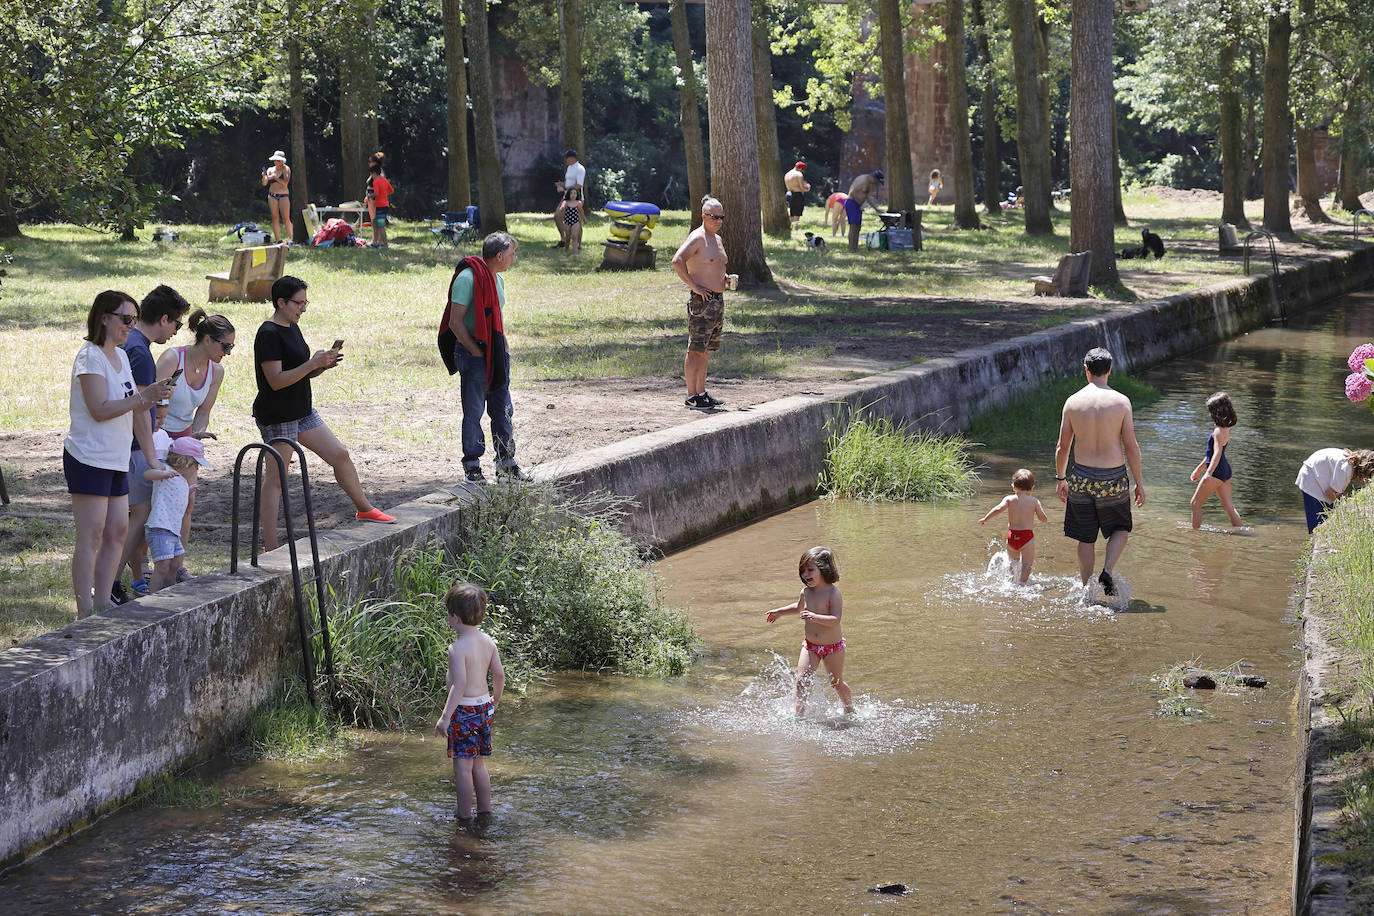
899 889
1200 682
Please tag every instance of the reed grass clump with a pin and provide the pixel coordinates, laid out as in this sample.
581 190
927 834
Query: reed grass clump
566 591
287 727
1346 569
873 458
1031 421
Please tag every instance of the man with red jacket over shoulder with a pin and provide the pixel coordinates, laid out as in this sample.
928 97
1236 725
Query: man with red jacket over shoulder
477 294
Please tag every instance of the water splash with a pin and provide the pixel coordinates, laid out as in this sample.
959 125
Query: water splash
765 707
1044 599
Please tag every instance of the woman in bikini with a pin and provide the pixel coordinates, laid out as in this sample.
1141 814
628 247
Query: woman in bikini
277 179
572 218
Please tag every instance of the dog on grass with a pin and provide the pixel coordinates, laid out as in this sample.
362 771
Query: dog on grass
814 242
1151 244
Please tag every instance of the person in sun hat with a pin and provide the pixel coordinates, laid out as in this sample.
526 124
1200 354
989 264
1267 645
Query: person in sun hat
276 177
797 186
171 495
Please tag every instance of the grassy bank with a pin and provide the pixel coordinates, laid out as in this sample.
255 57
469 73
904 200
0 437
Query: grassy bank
873 458
1345 570
1029 421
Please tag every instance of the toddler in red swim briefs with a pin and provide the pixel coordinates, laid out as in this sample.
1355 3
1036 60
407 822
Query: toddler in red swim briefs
820 605
1022 510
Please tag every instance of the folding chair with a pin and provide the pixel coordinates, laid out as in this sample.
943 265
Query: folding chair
457 228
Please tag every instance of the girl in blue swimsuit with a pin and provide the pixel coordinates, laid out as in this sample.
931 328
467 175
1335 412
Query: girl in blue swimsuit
1213 474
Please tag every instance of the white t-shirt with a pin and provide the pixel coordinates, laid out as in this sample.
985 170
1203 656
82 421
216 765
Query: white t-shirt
169 503
1328 467
100 444
575 176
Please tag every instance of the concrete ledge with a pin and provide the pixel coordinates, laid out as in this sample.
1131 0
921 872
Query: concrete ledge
88 712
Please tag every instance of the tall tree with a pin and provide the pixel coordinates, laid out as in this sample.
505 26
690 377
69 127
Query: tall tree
456 116
1118 207
359 92
570 68
772 194
1307 117
901 187
1090 115
992 162
690 113
734 138
295 76
1032 134
1277 123
1230 131
490 196
965 207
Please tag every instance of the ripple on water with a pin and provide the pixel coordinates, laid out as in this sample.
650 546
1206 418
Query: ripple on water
765 708
1044 601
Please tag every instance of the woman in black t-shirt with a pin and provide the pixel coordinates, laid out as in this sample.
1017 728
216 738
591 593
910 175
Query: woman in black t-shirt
283 408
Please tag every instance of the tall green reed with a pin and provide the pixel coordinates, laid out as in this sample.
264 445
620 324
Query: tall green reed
873 458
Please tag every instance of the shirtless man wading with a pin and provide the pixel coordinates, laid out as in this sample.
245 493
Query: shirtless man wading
700 263
1094 489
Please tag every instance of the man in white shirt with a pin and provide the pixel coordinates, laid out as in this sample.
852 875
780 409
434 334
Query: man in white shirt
574 177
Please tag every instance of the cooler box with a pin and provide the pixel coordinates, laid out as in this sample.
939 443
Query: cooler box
900 240
877 239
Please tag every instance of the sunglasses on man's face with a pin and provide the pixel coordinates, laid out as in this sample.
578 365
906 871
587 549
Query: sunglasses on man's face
719 216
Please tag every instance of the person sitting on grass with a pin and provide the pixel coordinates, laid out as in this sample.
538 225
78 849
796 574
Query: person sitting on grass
170 497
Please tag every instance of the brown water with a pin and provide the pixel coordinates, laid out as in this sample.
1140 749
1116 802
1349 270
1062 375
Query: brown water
1008 754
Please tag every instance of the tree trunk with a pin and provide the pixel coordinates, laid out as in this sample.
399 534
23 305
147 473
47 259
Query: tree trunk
1254 185
358 96
1090 159
965 206
455 71
734 137
901 187
1230 132
1347 186
1276 125
1030 127
1042 56
300 188
772 193
1309 190
9 220
1118 206
992 163
490 197
570 82
690 115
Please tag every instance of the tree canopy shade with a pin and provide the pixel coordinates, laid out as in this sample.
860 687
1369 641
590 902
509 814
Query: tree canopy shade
91 85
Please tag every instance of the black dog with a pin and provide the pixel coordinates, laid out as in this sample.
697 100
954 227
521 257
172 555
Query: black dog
1152 245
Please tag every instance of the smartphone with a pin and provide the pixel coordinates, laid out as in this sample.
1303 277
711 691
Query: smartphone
338 344
175 375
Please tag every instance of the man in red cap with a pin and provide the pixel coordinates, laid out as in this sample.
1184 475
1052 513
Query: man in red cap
797 186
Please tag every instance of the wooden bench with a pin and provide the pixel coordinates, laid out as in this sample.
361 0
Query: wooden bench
1070 277
250 277
1227 240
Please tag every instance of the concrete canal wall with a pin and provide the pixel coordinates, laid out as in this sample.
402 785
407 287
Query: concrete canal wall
88 712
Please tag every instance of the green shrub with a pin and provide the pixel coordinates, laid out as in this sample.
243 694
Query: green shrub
1346 571
873 458
287 727
1031 421
566 591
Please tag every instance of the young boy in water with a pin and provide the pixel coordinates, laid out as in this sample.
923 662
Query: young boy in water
1022 510
820 606
468 713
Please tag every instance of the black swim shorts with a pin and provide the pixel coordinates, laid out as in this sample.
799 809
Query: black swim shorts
1099 500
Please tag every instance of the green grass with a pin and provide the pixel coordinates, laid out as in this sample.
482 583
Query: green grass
287 727
1020 425
566 591
170 791
872 458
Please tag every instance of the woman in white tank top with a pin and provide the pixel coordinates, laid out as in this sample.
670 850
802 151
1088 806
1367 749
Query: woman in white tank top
196 389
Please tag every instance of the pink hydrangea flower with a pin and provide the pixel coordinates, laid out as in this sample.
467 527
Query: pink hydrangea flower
1357 358
1357 387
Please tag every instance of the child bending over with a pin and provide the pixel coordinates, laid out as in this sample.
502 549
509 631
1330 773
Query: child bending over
820 606
468 714
1022 510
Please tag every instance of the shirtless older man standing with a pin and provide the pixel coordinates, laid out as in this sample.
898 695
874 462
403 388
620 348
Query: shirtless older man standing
861 191
700 262
1094 489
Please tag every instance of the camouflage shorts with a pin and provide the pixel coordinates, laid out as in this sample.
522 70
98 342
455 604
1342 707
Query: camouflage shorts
704 320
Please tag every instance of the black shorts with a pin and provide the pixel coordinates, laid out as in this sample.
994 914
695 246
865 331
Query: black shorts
796 202
1099 500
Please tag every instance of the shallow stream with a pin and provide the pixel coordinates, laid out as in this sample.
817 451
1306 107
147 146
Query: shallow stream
1010 750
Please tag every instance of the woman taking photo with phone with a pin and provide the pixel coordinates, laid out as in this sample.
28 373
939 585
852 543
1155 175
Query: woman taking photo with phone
95 453
284 406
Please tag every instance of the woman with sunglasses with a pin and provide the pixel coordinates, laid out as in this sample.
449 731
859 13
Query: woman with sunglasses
195 391
95 452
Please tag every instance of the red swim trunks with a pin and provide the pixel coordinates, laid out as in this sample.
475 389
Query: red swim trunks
821 651
1018 538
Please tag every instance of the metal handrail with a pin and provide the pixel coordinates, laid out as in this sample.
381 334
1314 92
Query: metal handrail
265 449
1273 266
1355 230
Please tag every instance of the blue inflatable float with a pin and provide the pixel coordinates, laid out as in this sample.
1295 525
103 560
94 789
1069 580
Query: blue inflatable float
632 207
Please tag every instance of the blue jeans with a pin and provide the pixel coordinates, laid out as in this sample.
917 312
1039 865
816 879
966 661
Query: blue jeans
472 370
1316 510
